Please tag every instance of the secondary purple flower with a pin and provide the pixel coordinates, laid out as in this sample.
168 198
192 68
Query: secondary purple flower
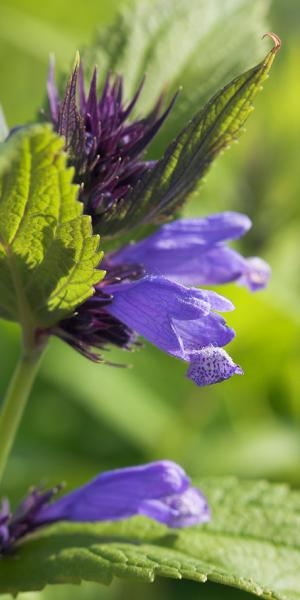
159 490
193 252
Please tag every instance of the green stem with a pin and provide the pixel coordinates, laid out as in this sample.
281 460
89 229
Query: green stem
15 402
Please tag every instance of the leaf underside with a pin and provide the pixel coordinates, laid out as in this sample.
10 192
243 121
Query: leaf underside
48 255
251 543
217 41
162 190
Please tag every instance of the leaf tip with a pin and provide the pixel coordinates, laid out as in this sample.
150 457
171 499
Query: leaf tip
276 40
77 60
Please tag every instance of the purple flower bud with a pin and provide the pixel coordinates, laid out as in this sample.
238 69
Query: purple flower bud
106 149
17 525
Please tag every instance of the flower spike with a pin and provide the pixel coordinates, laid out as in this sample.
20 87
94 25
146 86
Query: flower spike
149 288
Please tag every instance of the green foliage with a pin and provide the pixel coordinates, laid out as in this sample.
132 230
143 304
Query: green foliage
252 543
217 41
48 255
3 125
162 190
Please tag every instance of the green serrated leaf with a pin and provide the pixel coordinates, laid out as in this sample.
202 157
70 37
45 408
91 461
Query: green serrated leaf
48 255
162 190
251 543
217 37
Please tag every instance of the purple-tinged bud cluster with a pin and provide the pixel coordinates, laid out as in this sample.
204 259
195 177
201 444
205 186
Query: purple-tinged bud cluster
105 148
159 490
15 526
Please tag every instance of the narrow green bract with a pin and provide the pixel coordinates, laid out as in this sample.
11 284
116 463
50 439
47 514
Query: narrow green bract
251 543
48 255
163 189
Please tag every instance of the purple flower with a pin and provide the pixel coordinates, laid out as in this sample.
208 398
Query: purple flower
179 320
144 292
159 490
193 252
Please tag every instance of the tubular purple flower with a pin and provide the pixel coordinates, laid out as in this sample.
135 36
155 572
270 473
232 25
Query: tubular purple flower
181 321
177 319
160 490
192 252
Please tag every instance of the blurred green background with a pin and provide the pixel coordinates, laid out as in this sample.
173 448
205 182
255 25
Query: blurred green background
82 417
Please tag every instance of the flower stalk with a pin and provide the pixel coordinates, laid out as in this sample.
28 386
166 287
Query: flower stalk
16 399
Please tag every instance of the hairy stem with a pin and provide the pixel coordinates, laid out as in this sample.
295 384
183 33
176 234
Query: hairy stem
15 401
